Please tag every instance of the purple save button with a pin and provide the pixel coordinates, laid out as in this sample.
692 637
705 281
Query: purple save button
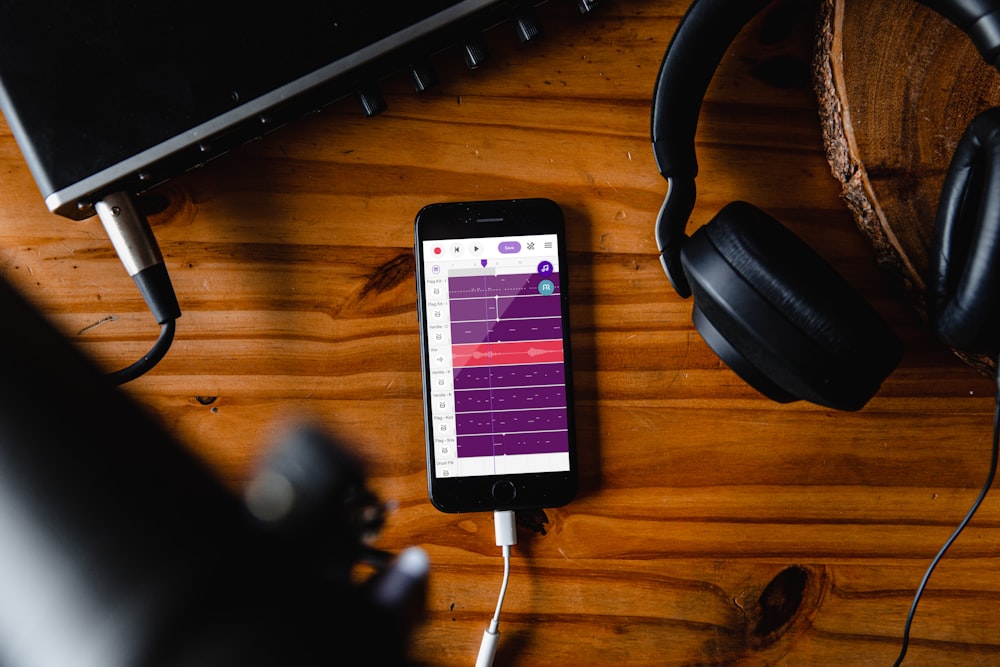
508 247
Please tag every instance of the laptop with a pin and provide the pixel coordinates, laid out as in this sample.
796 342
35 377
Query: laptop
119 96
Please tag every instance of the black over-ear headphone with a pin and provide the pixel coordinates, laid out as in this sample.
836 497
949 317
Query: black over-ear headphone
764 301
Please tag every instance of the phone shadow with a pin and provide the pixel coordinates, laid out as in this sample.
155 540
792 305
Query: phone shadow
581 285
583 348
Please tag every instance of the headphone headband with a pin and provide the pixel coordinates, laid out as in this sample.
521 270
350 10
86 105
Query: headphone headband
685 72
706 32
979 19
695 51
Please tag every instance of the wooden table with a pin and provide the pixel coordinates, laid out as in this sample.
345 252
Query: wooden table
713 527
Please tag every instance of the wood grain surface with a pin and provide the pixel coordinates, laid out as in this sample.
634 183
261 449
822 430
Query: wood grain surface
713 527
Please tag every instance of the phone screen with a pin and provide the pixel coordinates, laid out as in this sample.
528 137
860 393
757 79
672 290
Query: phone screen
496 364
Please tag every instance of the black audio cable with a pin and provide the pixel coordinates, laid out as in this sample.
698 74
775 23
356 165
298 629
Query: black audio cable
990 475
138 251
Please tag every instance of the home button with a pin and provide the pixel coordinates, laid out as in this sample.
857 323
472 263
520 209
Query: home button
504 491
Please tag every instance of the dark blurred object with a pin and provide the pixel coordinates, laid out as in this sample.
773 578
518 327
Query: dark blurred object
119 547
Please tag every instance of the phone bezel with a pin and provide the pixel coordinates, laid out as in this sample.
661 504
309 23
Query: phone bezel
480 219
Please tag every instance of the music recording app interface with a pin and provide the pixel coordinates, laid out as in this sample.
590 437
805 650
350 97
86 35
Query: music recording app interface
495 356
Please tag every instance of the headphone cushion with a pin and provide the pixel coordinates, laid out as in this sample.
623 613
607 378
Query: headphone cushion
786 312
963 285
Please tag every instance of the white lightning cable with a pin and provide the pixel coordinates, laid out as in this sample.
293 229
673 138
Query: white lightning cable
505 526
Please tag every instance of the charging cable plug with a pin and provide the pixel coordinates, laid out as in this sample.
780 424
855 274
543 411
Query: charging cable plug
505 527
488 649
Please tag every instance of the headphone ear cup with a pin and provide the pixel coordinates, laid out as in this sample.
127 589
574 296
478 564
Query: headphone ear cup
963 285
780 317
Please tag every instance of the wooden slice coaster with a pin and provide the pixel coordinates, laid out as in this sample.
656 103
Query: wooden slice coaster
897 85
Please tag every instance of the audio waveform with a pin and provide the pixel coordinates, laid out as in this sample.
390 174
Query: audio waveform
500 354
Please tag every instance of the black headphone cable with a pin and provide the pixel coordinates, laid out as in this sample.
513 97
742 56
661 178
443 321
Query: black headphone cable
995 454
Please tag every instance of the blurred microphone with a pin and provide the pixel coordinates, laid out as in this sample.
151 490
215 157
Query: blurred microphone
119 547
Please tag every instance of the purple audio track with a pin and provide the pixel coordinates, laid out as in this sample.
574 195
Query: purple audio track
509 375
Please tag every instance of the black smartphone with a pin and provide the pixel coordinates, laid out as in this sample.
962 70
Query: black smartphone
493 307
